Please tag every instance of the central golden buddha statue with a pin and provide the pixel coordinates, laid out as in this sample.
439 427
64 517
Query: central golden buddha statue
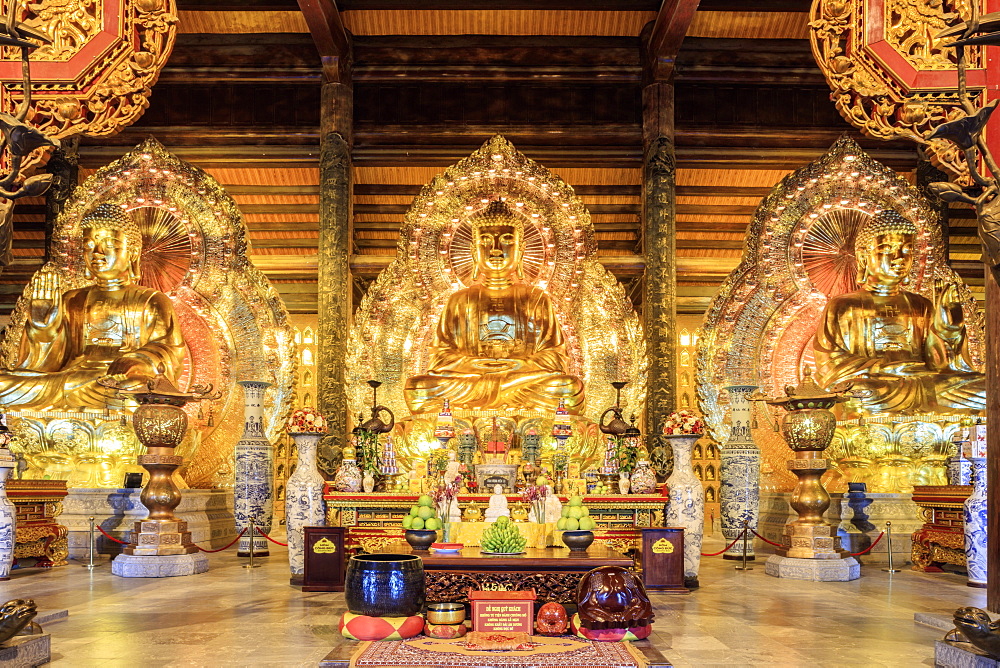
901 352
112 328
498 343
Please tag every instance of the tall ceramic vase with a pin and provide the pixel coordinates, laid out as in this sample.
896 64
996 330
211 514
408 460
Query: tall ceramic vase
303 500
254 489
686 507
739 492
975 525
8 514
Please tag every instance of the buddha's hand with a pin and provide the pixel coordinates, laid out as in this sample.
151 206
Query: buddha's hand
948 314
496 365
129 368
45 304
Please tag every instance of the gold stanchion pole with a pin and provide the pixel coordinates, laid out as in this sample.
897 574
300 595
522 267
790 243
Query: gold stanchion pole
746 534
888 542
90 564
253 532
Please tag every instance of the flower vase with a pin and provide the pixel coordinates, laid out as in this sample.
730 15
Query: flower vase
303 499
975 525
8 515
348 478
643 479
254 492
623 483
368 482
686 507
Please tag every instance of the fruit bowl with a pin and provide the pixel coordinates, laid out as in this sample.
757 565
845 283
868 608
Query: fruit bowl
447 547
578 541
421 539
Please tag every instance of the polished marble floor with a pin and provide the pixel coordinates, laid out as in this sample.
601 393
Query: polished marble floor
233 616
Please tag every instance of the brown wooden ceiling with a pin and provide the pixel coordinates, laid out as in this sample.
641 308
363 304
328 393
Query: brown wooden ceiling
432 80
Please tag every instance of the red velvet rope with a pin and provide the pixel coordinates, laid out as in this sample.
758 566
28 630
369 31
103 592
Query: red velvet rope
769 542
869 548
261 533
715 554
123 542
240 535
120 542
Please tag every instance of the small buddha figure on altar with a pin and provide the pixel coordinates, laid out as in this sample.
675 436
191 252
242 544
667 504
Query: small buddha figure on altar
114 327
498 343
902 352
498 505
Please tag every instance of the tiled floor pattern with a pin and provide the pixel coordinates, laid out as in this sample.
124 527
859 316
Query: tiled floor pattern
233 616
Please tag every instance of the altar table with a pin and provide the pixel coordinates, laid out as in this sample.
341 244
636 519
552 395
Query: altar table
375 520
941 540
553 572
38 534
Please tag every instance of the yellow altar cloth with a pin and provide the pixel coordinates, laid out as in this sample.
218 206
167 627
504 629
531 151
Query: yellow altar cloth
537 535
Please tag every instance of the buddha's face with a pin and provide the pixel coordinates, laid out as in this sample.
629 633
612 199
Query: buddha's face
890 258
106 253
498 250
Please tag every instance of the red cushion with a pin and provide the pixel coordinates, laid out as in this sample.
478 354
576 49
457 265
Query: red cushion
362 627
611 635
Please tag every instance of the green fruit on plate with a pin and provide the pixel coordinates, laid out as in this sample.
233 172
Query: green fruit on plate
585 510
587 524
433 524
425 513
572 524
575 512
560 525
565 511
414 510
417 524
408 522
576 501
425 500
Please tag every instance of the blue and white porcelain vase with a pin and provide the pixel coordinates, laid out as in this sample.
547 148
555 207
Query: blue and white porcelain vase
686 507
8 514
739 489
959 469
303 500
254 490
975 525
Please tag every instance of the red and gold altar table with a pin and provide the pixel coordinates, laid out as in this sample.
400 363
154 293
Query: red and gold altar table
941 539
553 572
375 520
38 535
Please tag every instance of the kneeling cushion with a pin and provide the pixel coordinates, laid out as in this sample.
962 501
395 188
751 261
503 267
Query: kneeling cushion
611 635
362 627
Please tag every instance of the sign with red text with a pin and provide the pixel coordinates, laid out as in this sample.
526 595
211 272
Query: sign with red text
503 611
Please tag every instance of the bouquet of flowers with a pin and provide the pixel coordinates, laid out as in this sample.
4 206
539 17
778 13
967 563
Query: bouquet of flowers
534 495
306 421
684 422
443 495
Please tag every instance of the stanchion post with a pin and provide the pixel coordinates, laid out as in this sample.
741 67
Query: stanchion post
253 532
90 563
746 533
888 542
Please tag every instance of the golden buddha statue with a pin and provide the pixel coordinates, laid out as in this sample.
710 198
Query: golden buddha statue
902 352
498 343
112 328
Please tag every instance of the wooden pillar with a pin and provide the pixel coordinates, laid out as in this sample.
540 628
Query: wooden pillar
334 279
659 299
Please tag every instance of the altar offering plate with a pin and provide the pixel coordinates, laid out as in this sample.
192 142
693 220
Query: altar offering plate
502 554
446 547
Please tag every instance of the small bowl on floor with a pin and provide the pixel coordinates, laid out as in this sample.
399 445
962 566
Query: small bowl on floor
445 613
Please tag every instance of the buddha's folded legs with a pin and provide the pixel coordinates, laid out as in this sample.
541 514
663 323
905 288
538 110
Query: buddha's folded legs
527 389
923 393
68 390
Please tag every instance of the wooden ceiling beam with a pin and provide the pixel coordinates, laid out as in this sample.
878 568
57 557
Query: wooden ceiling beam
664 42
332 42
506 5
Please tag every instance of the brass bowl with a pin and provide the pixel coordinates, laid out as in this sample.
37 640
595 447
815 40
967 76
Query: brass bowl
578 541
445 613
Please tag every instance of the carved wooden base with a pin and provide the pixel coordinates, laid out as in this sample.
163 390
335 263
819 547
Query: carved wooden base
455 585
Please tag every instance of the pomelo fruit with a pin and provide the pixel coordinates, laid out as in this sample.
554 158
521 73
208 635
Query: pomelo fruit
433 524
572 524
407 521
425 500
417 524
576 501
575 512
587 524
565 511
425 512
561 524
503 519
585 510
414 510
